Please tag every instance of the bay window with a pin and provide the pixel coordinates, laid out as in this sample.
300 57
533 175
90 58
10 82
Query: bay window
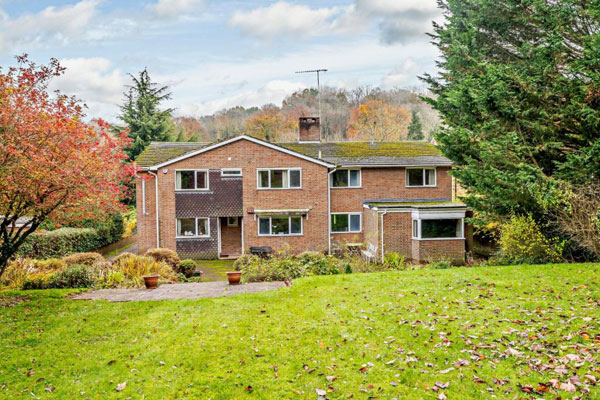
191 180
345 223
280 226
279 178
438 228
420 177
346 178
193 227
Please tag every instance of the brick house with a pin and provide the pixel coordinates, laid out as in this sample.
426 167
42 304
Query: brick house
208 201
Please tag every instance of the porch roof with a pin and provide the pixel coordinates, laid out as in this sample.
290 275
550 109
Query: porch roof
412 204
282 212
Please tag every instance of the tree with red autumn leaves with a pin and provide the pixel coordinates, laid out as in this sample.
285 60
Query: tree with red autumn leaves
51 161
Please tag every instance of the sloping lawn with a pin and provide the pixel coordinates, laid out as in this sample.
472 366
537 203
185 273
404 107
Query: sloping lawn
482 332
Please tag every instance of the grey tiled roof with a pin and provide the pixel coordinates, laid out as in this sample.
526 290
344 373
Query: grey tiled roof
338 153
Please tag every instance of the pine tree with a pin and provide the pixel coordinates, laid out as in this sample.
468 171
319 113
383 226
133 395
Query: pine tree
519 95
415 129
143 116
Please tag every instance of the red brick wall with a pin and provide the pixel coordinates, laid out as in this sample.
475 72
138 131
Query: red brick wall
146 229
249 156
397 233
386 183
434 250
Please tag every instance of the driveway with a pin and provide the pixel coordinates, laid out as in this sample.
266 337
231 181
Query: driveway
178 291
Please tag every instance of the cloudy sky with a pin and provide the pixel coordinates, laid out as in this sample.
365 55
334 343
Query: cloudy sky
218 54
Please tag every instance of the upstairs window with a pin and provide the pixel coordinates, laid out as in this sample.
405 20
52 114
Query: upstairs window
420 177
346 178
279 178
191 180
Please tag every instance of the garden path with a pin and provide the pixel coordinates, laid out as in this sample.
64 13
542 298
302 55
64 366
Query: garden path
178 291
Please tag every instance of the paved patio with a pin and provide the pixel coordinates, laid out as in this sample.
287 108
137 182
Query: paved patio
178 291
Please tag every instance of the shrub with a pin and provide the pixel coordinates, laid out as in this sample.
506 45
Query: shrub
187 268
40 280
395 260
522 242
245 260
73 276
130 222
440 264
51 264
165 255
128 272
122 256
83 259
36 272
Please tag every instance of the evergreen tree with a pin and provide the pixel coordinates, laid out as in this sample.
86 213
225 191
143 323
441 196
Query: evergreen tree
519 94
415 129
143 116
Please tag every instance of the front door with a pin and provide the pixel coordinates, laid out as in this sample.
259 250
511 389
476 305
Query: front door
231 237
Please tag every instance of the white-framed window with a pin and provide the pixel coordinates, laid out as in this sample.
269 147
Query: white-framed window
193 227
231 172
451 228
280 226
233 221
196 179
420 177
279 178
346 178
346 223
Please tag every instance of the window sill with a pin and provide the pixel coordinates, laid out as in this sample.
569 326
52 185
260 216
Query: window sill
420 187
338 233
299 188
347 187
437 239
192 190
192 237
291 235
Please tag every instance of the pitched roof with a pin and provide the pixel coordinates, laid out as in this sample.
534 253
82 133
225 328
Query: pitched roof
336 153
160 152
373 154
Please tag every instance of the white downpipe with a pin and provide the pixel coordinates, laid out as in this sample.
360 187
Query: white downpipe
382 250
156 207
329 208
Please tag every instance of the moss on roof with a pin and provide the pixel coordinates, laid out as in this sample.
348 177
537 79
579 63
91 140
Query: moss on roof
160 152
365 149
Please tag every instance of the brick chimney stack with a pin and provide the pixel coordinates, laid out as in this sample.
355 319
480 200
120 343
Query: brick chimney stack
309 129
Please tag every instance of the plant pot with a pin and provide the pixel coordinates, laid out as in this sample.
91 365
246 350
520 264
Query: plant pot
234 277
151 281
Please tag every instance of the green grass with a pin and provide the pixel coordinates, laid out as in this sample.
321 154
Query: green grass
382 335
214 270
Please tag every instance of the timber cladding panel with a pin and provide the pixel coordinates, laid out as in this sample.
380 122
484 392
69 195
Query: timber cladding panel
249 156
146 232
223 199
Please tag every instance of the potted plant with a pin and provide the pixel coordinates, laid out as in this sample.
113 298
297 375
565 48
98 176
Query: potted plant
234 277
151 281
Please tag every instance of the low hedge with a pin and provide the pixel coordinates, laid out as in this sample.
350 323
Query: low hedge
63 241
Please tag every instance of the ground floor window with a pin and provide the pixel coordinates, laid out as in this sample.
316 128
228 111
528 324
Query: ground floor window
280 226
345 223
193 227
438 228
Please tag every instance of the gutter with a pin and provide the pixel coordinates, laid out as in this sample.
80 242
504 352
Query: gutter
329 207
155 175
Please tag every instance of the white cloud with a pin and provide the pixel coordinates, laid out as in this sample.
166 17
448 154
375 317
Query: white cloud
60 24
169 9
284 18
273 92
399 20
95 82
401 74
